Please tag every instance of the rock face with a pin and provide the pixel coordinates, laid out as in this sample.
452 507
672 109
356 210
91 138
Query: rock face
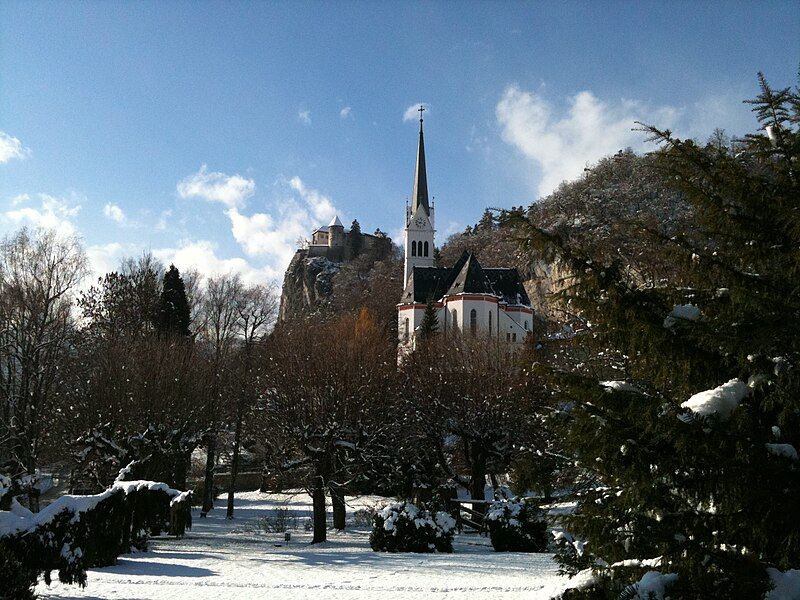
307 285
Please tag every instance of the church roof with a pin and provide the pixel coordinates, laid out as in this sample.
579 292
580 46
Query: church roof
470 279
419 196
465 277
507 284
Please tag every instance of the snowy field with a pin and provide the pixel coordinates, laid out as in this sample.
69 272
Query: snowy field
220 559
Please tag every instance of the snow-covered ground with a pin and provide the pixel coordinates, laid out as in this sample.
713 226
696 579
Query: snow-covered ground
221 560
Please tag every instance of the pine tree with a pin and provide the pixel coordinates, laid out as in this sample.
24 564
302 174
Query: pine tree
354 239
174 306
696 450
430 322
487 221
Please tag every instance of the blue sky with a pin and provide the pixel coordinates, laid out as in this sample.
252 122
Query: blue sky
216 134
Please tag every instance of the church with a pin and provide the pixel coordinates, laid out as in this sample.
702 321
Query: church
469 298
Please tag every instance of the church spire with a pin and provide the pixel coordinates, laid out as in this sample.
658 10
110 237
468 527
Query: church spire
419 197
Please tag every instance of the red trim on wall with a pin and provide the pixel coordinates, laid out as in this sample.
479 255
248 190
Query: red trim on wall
473 297
524 309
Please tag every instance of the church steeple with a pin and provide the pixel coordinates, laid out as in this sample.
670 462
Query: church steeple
419 229
419 197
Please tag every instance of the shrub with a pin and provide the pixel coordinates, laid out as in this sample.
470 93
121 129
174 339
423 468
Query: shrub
516 526
17 579
77 532
402 527
364 517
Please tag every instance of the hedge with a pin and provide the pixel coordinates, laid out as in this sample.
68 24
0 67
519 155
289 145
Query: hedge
77 532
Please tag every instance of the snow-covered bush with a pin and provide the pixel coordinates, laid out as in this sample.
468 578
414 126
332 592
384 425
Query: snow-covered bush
402 527
77 532
516 526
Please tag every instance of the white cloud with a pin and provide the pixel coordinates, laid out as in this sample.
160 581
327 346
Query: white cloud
345 112
53 213
561 142
161 225
412 112
105 258
321 206
231 190
202 255
273 237
304 116
11 148
20 199
114 212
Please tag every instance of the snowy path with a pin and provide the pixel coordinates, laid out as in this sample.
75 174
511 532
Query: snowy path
215 562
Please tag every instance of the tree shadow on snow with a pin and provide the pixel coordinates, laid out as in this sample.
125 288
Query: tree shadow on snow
156 569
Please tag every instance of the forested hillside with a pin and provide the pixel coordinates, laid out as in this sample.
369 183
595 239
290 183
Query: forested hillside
617 210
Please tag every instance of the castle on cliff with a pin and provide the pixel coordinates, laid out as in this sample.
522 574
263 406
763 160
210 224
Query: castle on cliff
336 244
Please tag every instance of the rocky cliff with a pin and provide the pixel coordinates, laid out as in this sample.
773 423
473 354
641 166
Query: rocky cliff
307 285
318 286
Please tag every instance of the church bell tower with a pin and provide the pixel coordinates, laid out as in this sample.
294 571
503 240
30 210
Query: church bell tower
419 216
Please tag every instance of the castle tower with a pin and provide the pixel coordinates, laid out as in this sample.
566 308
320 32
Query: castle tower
336 240
419 229
336 233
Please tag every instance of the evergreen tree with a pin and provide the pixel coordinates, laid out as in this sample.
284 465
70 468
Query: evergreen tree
696 450
354 239
174 306
430 321
487 221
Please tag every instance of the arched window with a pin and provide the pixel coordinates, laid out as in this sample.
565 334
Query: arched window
455 320
405 331
490 322
473 321
426 248
526 324
413 248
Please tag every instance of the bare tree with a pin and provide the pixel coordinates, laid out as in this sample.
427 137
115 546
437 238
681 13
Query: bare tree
218 325
39 270
256 310
474 402
323 382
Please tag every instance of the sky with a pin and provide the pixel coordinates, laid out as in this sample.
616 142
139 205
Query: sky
219 134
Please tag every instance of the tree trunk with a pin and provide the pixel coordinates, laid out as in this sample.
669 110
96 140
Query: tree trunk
495 484
237 438
320 520
477 482
339 510
182 471
208 480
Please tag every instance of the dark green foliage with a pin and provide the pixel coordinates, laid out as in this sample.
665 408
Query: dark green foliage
17 578
430 321
516 526
704 492
91 531
175 317
536 473
411 530
354 239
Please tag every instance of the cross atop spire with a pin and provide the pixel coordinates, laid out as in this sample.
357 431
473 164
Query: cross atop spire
419 197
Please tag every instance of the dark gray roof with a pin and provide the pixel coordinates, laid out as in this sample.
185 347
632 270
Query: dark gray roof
465 277
507 284
419 196
470 279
